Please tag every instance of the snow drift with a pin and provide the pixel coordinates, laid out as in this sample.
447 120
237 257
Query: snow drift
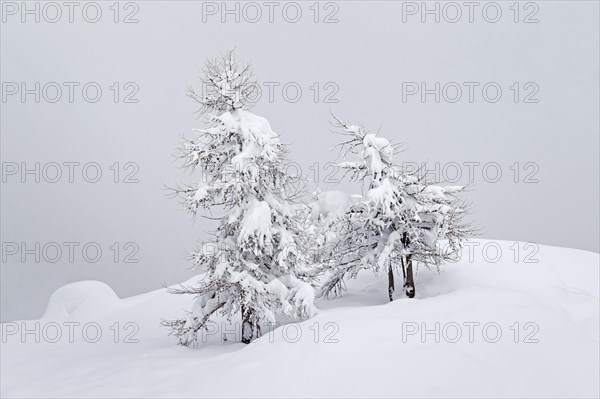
518 323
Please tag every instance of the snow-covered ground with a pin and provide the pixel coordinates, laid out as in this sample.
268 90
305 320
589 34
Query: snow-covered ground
546 312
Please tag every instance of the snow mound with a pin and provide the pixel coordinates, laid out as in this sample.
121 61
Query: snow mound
80 300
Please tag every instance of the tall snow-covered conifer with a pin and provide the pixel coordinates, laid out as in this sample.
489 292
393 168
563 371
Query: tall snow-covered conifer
402 219
253 264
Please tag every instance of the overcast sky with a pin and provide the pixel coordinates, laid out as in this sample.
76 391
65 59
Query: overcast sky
516 113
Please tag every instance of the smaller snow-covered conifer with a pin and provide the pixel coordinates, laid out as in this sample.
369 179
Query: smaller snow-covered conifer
401 219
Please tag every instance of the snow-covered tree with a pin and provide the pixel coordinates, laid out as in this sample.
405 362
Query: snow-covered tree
401 220
253 265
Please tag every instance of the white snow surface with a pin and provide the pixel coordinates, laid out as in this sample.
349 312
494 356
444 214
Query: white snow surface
559 294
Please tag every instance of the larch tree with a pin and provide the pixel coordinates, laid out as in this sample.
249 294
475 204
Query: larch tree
402 219
253 265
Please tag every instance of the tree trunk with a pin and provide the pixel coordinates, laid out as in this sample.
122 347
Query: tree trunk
403 268
391 288
247 325
409 282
